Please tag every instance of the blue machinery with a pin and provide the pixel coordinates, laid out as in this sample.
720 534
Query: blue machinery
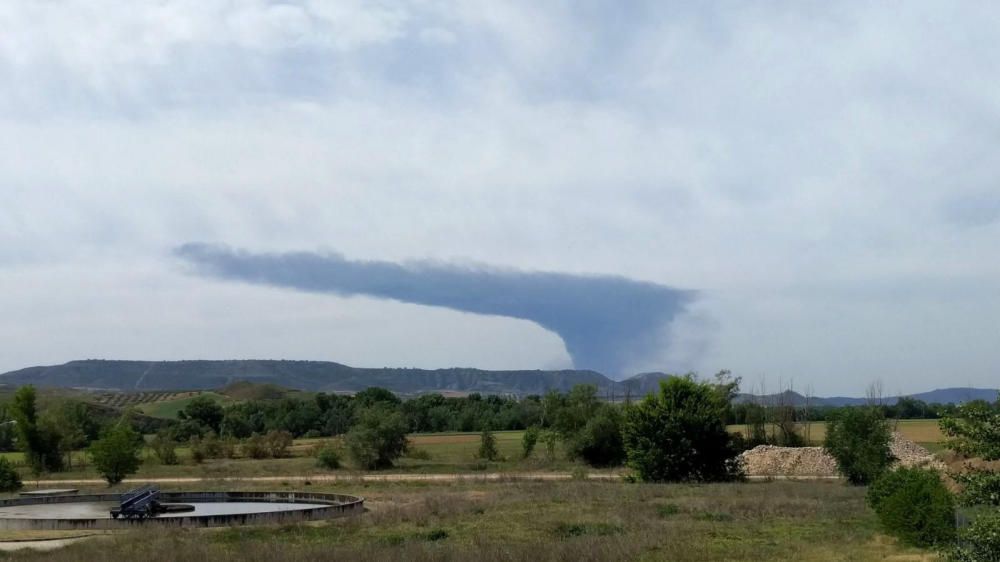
139 503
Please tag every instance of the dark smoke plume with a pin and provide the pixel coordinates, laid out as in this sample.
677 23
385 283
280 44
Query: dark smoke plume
607 323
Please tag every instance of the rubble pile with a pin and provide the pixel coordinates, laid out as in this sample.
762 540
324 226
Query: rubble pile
768 460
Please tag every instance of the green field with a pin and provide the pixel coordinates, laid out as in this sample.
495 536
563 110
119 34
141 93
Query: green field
430 453
539 521
170 408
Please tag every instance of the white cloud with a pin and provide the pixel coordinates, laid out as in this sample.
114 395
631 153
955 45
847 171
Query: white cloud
782 159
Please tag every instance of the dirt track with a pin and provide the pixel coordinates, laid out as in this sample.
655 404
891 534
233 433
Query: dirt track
449 477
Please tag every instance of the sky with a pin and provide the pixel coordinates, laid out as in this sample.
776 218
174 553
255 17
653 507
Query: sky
818 180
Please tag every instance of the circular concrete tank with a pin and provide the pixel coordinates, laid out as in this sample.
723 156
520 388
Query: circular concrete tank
207 509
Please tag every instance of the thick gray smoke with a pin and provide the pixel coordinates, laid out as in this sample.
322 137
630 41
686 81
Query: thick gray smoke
607 323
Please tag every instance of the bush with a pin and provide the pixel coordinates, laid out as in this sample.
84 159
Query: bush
488 446
116 454
328 457
858 438
255 447
979 487
551 439
599 443
165 448
227 447
914 505
974 430
418 454
529 440
277 442
980 541
10 480
378 438
680 434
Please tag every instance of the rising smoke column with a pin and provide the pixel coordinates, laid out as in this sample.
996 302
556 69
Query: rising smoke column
606 322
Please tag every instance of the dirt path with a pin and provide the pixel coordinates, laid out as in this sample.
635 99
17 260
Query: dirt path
449 477
368 477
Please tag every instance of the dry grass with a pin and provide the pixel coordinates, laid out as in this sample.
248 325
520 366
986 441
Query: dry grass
924 432
540 522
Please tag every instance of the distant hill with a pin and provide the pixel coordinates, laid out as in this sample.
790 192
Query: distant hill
326 376
939 396
302 375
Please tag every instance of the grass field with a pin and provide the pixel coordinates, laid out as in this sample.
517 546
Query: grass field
538 522
169 408
924 432
430 453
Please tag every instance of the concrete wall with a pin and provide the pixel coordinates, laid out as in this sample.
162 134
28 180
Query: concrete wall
333 505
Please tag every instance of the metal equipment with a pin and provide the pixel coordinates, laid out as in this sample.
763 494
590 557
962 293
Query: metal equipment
139 503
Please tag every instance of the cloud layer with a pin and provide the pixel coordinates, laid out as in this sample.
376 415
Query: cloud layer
609 324
823 173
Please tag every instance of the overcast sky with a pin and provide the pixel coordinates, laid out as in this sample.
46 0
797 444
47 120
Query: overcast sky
824 176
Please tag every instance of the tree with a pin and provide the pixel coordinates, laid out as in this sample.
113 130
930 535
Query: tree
858 438
374 395
599 443
529 440
40 442
10 480
488 445
116 453
204 410
974 430
378 438
679 434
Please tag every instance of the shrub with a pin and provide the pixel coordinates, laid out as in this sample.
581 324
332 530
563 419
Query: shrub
227 447
572 530
551 439
328 457
680 434
974 430
979 487
378 438
914 505
418 454
116 454
599 443
980 541
197 451
10 480
255 447
277 442
211 447
488 446
165 448
668 509
529 440
858 438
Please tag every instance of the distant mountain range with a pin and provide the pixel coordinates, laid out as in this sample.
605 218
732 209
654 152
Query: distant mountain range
95 374
957 395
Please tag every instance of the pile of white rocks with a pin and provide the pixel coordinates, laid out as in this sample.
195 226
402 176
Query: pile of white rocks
768 460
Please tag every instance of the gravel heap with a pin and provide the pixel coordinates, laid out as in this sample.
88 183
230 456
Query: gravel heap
909 454
768 460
